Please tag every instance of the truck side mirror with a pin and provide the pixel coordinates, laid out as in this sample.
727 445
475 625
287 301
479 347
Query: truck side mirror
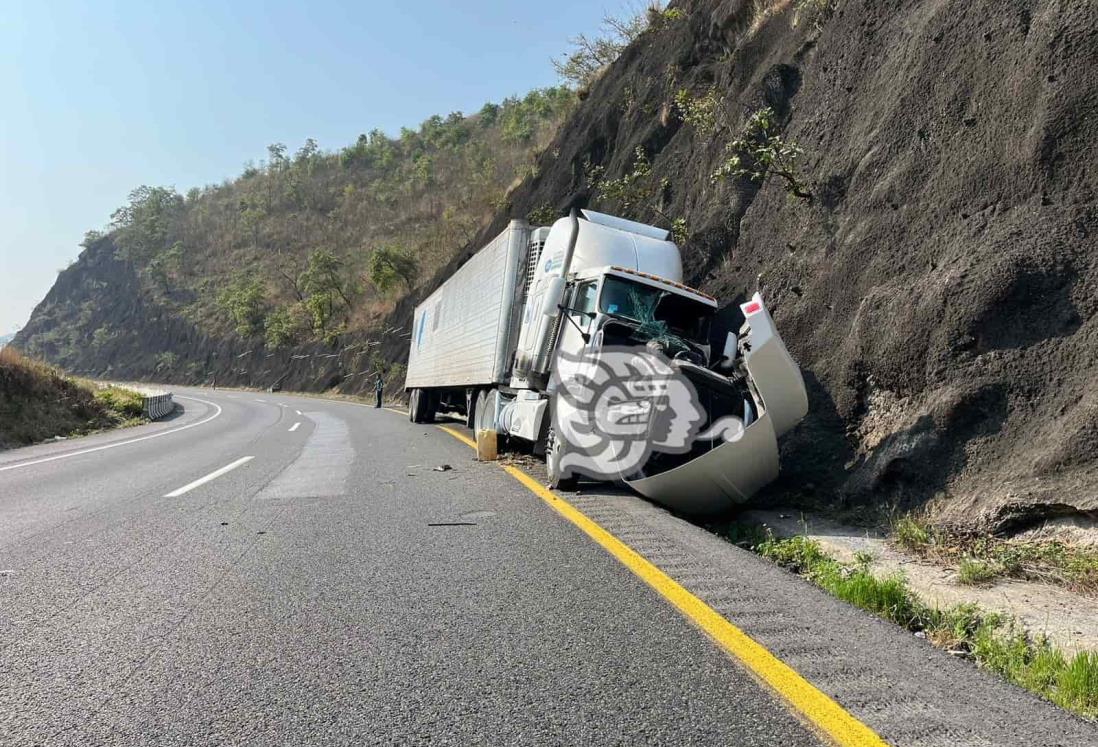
554 295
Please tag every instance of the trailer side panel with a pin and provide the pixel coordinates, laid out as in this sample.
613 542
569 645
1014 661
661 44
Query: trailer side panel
461 334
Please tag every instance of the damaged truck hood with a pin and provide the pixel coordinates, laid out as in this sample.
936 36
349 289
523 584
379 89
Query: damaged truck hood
733 470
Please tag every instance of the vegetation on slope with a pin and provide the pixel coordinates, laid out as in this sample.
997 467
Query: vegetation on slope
38 402
306 246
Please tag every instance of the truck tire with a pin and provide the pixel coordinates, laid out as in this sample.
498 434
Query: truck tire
419 407
554 455
479 417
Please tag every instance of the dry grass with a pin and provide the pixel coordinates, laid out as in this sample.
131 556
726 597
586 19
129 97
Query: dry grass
763 10
38 402
982 559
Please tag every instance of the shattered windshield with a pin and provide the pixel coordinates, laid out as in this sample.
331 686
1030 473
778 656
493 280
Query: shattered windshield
658 313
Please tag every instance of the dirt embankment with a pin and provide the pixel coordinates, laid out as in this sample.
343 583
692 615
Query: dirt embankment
940 289
38 402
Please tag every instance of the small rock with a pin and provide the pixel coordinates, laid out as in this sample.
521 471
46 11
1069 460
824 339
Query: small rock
920 634
443 468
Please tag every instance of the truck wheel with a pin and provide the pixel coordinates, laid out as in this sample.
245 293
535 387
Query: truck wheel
554 456
479 416
419 407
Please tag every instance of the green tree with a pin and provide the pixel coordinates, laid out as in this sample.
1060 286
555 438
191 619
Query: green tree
285 326
390 266
145 224
167 265
245 304
488 114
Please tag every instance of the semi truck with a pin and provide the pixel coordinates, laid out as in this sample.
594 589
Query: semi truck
488 342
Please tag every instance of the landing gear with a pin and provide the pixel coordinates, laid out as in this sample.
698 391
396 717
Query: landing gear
484 413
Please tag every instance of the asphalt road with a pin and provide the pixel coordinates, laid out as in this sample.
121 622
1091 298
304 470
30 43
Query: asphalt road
270 569
308 596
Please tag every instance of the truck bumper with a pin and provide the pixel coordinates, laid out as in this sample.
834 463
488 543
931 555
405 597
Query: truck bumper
719 479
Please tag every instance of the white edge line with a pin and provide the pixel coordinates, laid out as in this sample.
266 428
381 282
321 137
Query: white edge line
212 476
294 427
120 443
298 411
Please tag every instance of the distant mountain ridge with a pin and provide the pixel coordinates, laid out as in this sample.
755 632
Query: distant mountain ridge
301 254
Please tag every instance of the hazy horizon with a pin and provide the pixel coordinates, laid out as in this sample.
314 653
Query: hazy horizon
105 99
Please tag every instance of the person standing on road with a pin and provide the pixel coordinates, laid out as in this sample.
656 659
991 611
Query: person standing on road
379 388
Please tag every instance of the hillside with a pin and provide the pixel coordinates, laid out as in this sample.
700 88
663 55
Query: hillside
910 184
303 249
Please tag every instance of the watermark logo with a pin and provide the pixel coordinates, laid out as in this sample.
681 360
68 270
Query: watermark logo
614 406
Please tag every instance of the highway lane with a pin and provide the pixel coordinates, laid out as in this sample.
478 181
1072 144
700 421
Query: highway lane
335 588
293 570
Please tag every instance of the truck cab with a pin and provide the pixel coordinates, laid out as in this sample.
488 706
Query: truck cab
498 335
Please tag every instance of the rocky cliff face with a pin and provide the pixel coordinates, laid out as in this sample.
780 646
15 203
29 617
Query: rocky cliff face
940 287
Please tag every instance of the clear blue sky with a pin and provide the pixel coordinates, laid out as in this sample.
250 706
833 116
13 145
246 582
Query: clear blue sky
100 97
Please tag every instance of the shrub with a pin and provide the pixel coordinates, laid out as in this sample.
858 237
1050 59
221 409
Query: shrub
761 151
285 325
974 572
125 403
910 533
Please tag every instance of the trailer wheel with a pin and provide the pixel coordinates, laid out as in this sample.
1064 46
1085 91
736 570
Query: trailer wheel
419 407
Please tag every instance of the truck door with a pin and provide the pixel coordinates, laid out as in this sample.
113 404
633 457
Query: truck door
579 322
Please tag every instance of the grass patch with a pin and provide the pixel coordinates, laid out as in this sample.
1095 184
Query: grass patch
973 572
993 641
982 559
909 533
121 404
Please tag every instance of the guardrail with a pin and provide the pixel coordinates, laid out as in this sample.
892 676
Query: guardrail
158 405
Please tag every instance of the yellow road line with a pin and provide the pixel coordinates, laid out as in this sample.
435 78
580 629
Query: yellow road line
820 710
460 437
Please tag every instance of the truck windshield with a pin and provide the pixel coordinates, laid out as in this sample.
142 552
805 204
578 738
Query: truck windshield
661 310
